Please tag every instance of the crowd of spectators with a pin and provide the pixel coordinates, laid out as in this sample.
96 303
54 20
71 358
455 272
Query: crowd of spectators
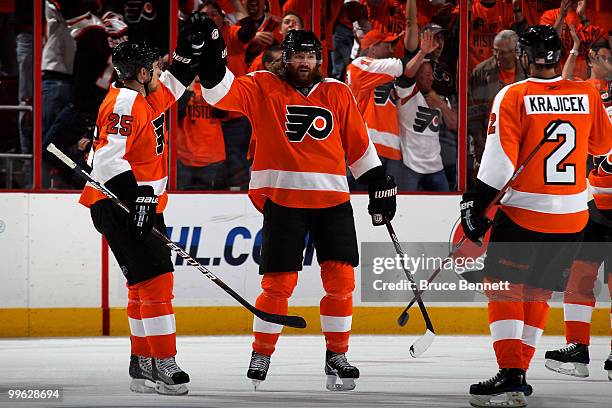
399 57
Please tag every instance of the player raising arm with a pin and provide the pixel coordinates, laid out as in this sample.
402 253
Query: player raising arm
131 159
543 212
308 127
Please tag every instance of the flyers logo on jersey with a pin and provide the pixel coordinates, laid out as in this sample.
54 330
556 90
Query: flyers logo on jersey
426 118
384 94
315 121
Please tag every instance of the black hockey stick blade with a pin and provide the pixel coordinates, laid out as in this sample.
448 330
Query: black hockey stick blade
403 318
297 322
291 321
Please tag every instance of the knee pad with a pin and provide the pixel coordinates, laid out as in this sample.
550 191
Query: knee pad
338 278
279 284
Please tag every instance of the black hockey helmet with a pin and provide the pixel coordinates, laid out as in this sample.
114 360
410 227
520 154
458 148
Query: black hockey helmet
301 41
130 56
542 45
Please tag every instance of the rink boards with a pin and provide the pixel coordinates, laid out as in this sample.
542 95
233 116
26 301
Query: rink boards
53 265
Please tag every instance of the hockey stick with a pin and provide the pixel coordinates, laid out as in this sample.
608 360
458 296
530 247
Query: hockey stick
291 321
403 318
422 344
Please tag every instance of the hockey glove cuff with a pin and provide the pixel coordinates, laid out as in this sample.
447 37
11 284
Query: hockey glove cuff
382 206
214 58
473 219
143 211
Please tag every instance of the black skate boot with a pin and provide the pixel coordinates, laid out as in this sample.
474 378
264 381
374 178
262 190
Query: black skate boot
509 381
170 379
141 373
608 366
258 368
574 356
341 375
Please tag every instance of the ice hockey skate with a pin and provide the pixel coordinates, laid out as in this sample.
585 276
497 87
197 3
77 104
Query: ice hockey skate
258 368
572 359
341 375
141 373
608 366
169 378
508 382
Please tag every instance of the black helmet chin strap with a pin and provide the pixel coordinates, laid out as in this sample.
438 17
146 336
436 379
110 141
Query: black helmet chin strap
146 84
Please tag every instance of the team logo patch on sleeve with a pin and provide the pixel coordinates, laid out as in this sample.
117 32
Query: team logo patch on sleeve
315 121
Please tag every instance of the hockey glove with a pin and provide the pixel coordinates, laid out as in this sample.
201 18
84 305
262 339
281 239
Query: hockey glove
189 47
143 211
475 224
214 58
382 192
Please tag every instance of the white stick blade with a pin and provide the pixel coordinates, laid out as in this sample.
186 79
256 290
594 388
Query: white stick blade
422 344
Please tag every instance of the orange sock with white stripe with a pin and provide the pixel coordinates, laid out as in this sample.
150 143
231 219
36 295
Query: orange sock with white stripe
138 339
536 315
156 322
506 323
277 289
336 306
579 301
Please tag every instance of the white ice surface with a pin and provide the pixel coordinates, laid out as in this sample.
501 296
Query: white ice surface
93 372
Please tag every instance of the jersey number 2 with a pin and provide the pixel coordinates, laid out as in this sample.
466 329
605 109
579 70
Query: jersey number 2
555 170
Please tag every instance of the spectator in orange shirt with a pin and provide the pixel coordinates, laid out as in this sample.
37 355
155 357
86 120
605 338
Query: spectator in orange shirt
290 21
600 64
488 18
573 13
268 29
200 147
533 9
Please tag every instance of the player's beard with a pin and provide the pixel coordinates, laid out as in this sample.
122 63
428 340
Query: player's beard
298 77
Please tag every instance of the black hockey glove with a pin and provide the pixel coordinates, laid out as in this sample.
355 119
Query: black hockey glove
383 192
214 57
473 205
142 211
189 47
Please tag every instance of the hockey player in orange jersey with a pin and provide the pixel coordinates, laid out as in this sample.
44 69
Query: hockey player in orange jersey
308 127
543 212
131 158
579 297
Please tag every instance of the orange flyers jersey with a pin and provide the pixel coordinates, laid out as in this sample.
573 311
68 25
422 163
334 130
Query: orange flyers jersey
371 81
533 9
200 138
550 195
388 16
485 23
549 18
131 136
600 180
604 88
303 142
235 49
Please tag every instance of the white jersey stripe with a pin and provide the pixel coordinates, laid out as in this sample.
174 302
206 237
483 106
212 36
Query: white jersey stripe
384 138
214 95
577 313
336 324
546 203
367 161
295 180
506 330
174 85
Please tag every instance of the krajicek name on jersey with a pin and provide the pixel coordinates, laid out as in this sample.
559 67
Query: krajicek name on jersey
540 104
